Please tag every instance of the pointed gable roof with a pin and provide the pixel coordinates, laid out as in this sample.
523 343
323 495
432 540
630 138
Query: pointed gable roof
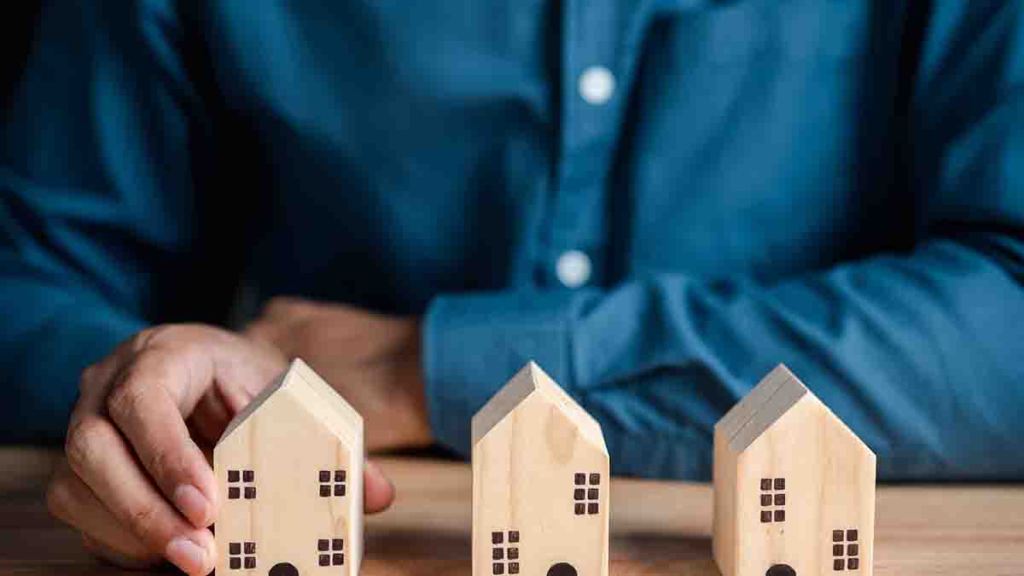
314 394
532 380
769 401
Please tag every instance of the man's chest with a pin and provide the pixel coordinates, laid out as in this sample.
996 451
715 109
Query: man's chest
653 135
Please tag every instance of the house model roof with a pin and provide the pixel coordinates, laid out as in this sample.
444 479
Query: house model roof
529 381
773 396
314 395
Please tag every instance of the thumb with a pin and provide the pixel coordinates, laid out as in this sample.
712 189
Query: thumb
378 492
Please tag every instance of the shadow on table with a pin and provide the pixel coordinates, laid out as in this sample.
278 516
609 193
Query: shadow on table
414 552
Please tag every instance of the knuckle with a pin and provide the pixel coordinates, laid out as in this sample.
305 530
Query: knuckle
162 462
83 442
124 400
89 374
141 339
140 520
58 496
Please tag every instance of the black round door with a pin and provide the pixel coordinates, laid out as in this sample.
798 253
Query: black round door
780 570
284 569
562 569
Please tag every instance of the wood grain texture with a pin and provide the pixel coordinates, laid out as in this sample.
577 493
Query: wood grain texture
540 483
657 528
794 487
290 476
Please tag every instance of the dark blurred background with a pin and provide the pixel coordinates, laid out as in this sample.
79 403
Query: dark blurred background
17 21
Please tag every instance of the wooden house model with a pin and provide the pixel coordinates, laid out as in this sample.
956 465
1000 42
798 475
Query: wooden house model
540 483
290 477
794 487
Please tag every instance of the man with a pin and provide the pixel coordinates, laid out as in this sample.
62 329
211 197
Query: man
656 200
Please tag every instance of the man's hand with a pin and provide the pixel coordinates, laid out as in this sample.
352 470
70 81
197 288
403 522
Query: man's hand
372 360
136 482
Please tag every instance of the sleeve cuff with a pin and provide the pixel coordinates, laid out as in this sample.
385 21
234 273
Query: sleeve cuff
474 343
46 376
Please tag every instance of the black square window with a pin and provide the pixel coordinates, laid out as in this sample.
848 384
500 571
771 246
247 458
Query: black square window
580 479
326 545
772 495
586 500
845 556
331 483
241 483
241 555
501 557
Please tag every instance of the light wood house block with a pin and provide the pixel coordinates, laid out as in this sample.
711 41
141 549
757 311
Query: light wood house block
540 483
290 474
794 487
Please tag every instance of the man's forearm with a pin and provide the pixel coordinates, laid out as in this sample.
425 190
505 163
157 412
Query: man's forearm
917 353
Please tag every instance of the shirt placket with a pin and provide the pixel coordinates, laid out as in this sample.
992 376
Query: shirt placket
594 74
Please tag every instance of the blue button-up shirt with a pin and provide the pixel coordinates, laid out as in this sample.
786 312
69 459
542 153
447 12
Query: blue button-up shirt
657 200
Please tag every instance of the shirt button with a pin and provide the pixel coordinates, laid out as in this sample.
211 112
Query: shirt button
573 269
596 85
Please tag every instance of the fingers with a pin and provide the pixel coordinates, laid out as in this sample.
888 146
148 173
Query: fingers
378 492
146 406
71 501
99 456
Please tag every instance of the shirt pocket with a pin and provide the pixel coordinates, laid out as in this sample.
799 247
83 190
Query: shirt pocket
721 32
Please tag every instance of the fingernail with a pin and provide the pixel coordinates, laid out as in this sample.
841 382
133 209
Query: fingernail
192 504
187 555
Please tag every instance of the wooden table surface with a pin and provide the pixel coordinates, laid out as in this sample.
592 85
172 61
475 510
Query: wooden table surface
657 527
